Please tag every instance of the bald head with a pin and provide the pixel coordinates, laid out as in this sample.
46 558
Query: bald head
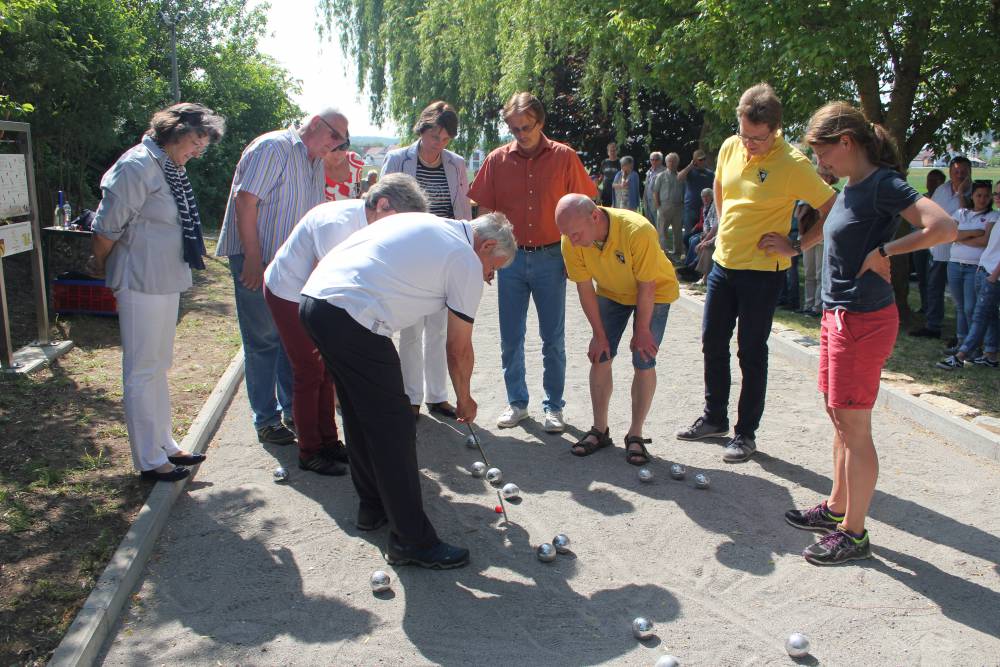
578 218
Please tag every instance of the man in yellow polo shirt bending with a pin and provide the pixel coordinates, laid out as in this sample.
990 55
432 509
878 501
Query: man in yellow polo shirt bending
620 251
758 179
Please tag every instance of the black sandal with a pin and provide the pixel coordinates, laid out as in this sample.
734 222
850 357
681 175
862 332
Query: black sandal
640 458
584 447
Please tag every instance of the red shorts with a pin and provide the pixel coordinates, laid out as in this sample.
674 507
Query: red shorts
853 348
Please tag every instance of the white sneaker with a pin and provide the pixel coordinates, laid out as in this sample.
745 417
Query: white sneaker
554 421
512 416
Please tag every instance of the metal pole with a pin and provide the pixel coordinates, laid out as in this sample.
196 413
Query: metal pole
38 276
173 61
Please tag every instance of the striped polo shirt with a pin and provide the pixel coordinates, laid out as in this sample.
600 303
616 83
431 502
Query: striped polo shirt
276 168
434 182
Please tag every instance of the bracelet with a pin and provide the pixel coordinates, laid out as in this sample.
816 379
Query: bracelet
881 250
797 246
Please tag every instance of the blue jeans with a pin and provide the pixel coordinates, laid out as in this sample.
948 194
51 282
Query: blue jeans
615 316
268 373
937 279
691 258
985 320
750 297
541 276
962 283
691 217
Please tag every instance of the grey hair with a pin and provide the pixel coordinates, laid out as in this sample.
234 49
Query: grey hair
673 156
656 155
402 191
626 160
327 114
494 226
708 191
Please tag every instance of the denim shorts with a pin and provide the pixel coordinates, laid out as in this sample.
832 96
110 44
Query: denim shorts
615 316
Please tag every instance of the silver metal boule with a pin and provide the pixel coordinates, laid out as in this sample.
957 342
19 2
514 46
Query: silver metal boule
701 481
668 661
677 471
642 628
494 476
280 474
470 441
797 645
645 475
380 581
510 490
561 543
546 552
478 469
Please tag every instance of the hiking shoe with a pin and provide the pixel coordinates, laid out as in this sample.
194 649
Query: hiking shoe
986 361
701 429
950 363
817 519
512 416
441 556
739 449
275 434
838 547
554 421
321 465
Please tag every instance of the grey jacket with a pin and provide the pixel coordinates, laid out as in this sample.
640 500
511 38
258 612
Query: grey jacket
405 160
139 213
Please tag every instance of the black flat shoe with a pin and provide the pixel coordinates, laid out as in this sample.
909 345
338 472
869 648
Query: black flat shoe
178 473
190 460
335 451
441 556
442 408
321 465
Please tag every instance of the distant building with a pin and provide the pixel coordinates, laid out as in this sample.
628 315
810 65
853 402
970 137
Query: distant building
375 155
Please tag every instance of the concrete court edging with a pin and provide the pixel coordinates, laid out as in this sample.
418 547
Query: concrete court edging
974 439
82 643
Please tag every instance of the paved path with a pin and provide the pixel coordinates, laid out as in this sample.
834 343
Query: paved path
255 573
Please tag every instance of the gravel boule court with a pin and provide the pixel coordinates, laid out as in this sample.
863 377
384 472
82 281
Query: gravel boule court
253 572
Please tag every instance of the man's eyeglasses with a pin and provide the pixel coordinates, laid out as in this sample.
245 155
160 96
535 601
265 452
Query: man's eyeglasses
753 140
524 129
337 136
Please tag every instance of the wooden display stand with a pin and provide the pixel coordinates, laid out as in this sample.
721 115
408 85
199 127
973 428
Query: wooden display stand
19 208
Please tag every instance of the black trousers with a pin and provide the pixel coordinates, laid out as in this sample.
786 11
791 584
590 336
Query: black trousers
379 428
749 297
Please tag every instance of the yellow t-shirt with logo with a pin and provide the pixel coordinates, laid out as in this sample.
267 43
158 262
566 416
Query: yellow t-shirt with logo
758 196
631 255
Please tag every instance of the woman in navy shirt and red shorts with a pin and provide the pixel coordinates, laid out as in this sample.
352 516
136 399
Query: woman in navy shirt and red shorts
860 320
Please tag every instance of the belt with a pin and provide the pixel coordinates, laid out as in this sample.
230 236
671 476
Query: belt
535 248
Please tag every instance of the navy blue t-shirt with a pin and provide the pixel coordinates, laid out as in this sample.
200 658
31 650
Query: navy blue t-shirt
862 218
696 180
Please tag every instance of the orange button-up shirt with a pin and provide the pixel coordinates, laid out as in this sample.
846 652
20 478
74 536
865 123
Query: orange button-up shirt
527 189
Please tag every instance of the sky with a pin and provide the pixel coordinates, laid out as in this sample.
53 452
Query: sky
328 79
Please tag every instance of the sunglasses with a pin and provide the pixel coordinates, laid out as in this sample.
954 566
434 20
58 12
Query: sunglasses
337 136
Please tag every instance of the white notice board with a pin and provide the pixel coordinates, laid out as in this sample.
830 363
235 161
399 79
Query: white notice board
13 186
15 238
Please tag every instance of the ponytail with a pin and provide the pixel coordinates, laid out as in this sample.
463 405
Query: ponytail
836 119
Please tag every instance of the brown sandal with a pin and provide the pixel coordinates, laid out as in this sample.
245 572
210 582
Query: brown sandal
639 458
584 447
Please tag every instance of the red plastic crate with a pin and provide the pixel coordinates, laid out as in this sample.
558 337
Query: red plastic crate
83 297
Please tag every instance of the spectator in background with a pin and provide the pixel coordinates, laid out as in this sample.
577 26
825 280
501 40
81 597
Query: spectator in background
812 258
950 196
655 167
695 177
706 244
921 258
974 225
609 167
147 238
442 175
788 298
704 229
367 184
668 196
343 175
525 180
279 178
626 185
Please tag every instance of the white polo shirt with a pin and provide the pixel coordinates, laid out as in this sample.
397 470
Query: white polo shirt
950 201
390 275
991 254
318 232
968 220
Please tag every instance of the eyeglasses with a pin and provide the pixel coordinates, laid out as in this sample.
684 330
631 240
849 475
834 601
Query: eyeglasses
753 140
337 136
524 129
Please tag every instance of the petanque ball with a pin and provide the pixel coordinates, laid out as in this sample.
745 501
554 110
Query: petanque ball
380 581
642 628
645 475
561 543
701 481
546 552
797 645
677 471
478 469
280 474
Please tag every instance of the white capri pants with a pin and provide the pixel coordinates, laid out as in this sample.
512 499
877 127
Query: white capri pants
148 323
423 358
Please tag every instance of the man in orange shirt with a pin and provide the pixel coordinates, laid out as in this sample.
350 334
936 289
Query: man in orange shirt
525 180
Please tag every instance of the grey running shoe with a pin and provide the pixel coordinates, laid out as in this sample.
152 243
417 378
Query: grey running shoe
817 519
950 363
986 361
701 429
838 547
739 449
275 434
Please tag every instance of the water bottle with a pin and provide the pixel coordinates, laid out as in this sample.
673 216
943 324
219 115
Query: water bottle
67 214
59 215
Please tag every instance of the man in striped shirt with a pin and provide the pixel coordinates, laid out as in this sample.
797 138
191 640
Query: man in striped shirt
279 177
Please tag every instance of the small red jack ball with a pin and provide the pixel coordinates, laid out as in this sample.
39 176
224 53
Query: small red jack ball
498 509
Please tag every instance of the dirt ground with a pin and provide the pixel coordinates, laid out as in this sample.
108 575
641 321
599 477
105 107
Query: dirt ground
250 572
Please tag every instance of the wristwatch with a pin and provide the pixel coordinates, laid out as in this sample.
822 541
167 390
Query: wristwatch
797 246
881 250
